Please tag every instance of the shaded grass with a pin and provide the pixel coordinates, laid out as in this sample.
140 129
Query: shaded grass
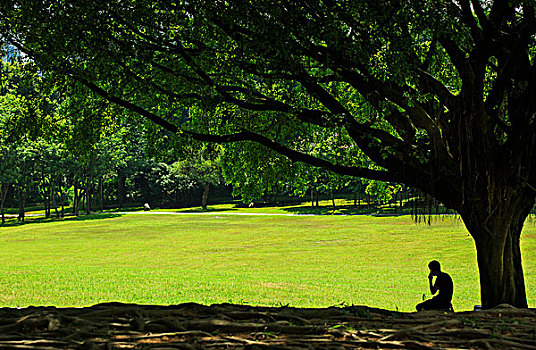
309 261
342 206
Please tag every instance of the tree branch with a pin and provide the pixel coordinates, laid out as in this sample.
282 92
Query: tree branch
469 19
431 84
481 15
297 156
126 104
456 55
370 85
244 136
157 87
501 10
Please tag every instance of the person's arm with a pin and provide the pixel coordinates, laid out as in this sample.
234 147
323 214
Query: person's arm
433 288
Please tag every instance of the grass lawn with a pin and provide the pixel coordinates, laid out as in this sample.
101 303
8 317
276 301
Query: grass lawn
303 261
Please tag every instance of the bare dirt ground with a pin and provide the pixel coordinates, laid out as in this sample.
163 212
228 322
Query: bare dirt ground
226 326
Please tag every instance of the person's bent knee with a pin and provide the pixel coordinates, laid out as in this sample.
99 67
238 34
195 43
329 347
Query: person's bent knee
419 306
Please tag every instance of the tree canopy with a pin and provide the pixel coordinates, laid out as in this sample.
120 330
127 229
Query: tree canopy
438 95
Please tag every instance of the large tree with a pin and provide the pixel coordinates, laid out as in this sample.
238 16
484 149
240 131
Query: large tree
439 94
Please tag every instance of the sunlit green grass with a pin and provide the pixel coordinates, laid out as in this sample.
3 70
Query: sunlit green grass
303 261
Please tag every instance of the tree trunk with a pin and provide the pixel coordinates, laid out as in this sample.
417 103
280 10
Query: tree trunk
21 203
82 200
206 188
101 194
316 198
53 196
497 236
62 199
94 198
332 199
121 179
46 198
312 197
3 194
78 203
501 272
88 197
75 199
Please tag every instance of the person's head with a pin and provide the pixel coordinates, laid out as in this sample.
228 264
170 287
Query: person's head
435 267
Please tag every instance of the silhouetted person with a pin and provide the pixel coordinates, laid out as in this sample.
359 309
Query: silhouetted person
443 284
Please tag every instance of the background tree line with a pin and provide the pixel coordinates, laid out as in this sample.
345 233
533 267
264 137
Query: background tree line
65 148
68 151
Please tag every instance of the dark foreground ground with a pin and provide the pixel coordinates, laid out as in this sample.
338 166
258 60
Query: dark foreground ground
225 326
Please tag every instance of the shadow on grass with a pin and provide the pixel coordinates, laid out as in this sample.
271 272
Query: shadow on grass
345 210
13 222
96 216
208 210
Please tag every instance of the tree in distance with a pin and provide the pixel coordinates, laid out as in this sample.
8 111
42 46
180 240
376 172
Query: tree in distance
201 167
437 95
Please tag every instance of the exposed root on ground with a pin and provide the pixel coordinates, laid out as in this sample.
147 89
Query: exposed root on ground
226 326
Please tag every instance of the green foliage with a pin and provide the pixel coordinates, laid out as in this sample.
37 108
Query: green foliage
26 111
383 76
384 192
253 171
235 68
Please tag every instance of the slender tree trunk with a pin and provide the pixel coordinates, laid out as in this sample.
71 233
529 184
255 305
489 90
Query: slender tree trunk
94 199
88 196
121 179
46 198
3 194
316 198
62 199
312 197
332 199
204 200
101 194
53 195
76 199
21 203
82 200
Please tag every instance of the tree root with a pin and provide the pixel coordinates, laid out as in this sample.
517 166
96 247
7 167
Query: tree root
194 326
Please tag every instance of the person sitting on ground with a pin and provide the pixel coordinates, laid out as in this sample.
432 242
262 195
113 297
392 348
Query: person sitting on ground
443 284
